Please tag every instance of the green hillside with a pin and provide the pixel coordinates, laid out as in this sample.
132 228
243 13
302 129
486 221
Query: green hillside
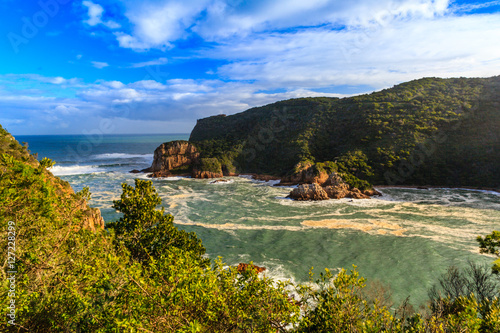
424 132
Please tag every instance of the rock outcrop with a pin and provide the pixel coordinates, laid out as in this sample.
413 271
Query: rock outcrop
308 192
172 155
371 192
333 188
242 267
181 158
92 219
305 173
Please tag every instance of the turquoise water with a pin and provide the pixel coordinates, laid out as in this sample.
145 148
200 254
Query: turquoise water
406 238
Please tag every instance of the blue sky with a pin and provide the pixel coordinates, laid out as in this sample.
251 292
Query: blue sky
155 66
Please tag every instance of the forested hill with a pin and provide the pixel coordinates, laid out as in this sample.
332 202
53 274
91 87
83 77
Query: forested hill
429 131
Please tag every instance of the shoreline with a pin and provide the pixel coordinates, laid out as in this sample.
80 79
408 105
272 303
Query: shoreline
266 178
418 187
444 187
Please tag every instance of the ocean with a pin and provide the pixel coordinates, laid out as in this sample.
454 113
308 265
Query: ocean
404 239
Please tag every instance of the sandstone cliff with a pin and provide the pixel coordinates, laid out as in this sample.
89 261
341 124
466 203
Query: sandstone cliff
183 158
172 155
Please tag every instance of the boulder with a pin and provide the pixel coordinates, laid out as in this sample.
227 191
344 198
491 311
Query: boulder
371 192
333 187
357 194
335 192
308 192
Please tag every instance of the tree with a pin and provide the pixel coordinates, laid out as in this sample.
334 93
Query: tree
491 244
148 232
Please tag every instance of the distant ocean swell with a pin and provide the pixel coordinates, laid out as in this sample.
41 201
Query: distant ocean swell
104 163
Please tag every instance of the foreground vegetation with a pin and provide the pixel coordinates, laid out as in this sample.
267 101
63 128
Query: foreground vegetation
144 274
425 132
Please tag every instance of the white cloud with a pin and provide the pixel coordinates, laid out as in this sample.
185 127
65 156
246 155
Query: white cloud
159 61
66 109
99 64
95 13
158 24
294 44
379 56
113 84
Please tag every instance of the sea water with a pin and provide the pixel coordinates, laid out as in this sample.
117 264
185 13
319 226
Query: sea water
406 238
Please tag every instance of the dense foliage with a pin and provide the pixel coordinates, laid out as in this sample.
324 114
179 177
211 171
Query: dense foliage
491 244
146 232
209 164
424 132
143 274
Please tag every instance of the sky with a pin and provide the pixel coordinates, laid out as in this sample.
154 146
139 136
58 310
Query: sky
156 66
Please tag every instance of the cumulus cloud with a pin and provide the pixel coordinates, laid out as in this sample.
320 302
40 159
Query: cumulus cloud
158 24
95 13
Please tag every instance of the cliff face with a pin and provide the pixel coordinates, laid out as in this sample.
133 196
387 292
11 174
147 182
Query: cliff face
429 131
182 158
172 155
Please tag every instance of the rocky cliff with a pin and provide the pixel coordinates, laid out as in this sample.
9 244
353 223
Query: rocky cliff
182 158
172 155
429 131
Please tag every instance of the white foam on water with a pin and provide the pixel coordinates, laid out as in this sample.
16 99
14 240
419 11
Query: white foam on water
224 182
234 226
172 178
276 271
58 170
122 155
333 202
468 189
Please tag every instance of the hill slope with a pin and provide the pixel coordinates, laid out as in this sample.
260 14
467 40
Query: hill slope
428 131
